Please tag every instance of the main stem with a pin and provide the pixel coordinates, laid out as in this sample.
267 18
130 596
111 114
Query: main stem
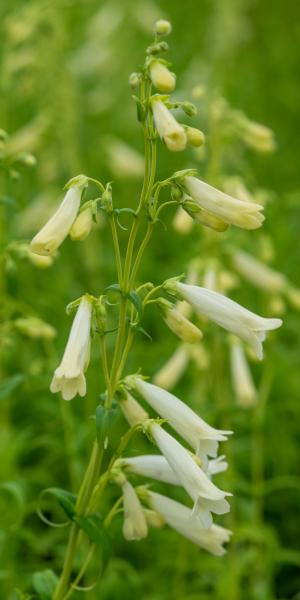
126 277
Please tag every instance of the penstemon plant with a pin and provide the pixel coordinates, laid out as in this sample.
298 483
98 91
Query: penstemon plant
190 466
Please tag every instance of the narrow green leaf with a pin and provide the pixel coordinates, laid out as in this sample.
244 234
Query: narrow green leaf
94 528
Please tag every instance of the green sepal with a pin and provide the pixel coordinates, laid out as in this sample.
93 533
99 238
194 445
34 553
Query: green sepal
44 584
78 180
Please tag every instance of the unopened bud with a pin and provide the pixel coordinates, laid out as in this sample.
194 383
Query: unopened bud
182 327
189 109
132 410
162 27
161 77
195 137
27 159
82 225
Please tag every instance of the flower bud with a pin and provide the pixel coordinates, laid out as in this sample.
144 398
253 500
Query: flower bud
82 225
162 27
161 77
132 410
182 327
195 137
167 127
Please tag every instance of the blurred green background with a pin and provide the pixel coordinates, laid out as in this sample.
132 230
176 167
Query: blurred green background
64 96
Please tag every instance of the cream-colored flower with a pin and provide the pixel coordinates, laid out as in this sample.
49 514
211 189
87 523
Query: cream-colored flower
230 315
195 137
196 432
258 273
82 225
258 136
180 518
42 262
135 524
161 77
230 210
167 127
69 376
180 325
206 496
242 381
51 236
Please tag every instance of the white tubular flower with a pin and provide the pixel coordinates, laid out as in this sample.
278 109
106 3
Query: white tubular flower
242 381
206 496
154 466
259 274
258 136
180 518
161 77
167 127
69 376
132 410
196 432
230 210
51 236
230 315
135 524
179 324
173 369
82 225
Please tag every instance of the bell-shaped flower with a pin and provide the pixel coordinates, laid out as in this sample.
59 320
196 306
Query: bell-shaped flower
196 432
69 378
242 381
180 518
135 524
230 315
206 496
232 211
161 77
167 127
51 236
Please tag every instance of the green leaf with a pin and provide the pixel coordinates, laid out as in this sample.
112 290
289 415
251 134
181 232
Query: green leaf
132 296
10 384
65 499
94 528
106 419
44 583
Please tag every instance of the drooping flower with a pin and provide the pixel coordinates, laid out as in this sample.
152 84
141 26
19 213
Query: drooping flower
35 328
180 518
51 236
230 315
69 376
161 77
206 496
135 524
242 381
196 432
230 210
167 127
